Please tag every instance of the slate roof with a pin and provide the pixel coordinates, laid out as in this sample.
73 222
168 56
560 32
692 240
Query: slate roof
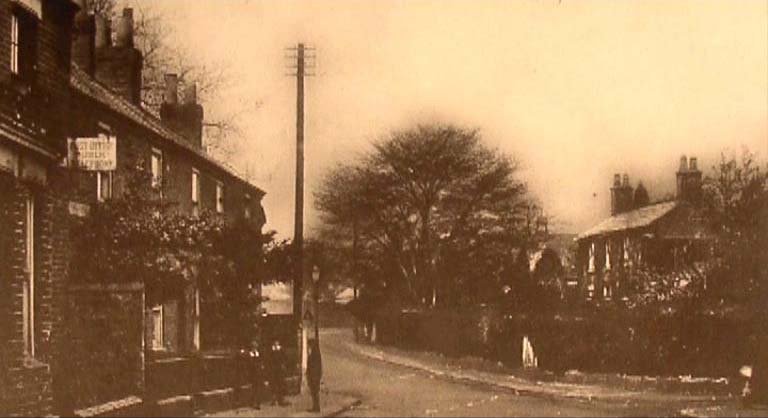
633 219
86 85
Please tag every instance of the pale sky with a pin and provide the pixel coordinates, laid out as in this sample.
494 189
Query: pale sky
575 90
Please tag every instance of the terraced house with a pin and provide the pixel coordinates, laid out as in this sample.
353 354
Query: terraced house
65 77
34 94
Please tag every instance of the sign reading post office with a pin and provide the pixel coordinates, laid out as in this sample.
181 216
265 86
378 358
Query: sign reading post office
93 154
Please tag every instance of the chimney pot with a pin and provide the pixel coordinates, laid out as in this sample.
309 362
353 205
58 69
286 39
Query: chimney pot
171 95
84 37
190 94
692 164
625 182
683 164
617 180
103 32
125 29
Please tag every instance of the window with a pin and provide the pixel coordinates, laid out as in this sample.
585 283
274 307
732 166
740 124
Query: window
103 178
195 192
219 197
247 209
15 43
157 327
28 303
157 168
23 44
103 185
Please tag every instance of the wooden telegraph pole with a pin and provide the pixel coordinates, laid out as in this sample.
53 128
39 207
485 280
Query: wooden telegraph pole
300 68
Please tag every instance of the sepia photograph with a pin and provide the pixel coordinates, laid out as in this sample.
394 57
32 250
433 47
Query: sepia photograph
383 208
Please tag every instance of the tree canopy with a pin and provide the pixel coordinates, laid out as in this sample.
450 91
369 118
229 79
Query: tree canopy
433 214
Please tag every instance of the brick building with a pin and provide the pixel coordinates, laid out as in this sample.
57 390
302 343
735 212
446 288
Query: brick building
62 77
106 80
670 237
34 92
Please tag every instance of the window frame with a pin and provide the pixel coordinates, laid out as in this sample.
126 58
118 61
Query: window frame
247 207
104 130
157 178
28 293
158 337
195 197
196 320
102 178
219 196
23 45
15 45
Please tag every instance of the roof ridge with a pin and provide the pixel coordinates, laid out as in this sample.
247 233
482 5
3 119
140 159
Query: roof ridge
634 218
145 118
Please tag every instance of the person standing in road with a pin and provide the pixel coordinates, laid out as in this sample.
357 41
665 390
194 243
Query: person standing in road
277 374
256 375
314 373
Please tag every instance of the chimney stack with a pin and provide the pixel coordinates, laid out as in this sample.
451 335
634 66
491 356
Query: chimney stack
103 32
190 96
689 181
124 38
185 118
84 38
119 66
621 194
171 95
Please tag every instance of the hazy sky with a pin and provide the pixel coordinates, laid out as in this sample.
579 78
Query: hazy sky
576 90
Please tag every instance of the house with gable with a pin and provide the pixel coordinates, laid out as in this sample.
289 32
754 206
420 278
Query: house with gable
671 237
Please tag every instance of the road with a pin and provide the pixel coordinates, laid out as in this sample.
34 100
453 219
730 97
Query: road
387 389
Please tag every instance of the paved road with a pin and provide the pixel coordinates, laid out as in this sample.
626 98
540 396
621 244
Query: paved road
391 390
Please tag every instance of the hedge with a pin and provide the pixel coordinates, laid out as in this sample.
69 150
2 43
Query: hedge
663 343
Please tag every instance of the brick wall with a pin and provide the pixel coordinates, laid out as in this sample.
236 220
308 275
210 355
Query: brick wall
26 380
42 111
104 360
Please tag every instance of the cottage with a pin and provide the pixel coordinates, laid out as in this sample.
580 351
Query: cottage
668 236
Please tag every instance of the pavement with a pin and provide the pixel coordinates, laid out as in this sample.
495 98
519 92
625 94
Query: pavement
331 404
372 381
651 400
398 385
523 385
733 409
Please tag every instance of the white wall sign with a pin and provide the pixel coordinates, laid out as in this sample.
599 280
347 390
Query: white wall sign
93 154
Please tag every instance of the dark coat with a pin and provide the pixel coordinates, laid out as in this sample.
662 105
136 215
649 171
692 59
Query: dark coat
314 367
